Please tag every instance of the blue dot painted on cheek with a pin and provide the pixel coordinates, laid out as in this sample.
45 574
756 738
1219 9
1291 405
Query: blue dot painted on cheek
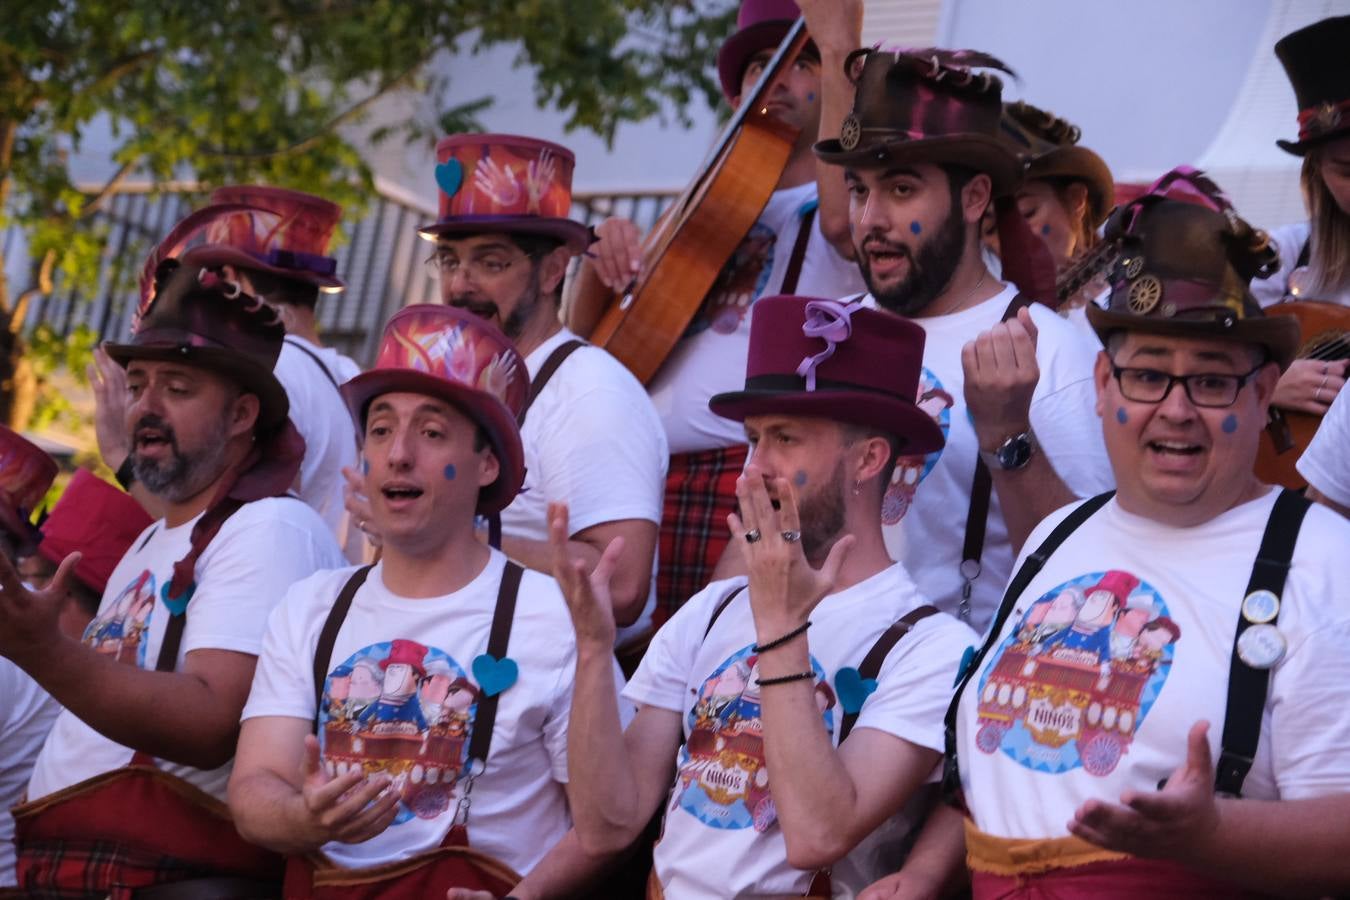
915 228
1121 416
799 479
450 472
1045 230
365 467
810 98
1230 424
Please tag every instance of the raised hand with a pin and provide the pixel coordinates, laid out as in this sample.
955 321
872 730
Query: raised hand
587 593
617 254
28 618
1164 824
109 381
1001 374
1310 385
347 808
784 587
357 504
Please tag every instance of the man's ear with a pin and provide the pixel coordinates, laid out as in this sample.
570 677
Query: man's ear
489 467
1265 382
976 197
244 413
553 268
876 456
1101 376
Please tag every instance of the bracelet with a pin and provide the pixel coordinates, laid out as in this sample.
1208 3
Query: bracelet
780 641
125 474
784 679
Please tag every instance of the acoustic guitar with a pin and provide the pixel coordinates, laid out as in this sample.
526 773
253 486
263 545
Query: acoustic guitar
684 254
1325 328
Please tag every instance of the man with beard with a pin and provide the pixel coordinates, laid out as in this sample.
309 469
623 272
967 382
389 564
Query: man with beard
764 796
592 439
210 440
919 183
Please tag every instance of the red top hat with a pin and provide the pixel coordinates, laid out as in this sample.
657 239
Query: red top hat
96 519
508 184
450 353
760 25
26 474
1118 583
409 653
830 360
1184 264
1314 58
1048 146
200 319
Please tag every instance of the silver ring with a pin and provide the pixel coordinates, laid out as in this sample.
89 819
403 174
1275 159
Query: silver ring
792 537
753 536
1317 395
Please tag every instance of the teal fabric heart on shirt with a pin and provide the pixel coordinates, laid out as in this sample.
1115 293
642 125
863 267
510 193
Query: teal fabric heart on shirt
450 176
966 659
495 675
853 689
177 605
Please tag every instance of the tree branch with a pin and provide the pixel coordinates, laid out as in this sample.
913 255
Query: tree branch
108 190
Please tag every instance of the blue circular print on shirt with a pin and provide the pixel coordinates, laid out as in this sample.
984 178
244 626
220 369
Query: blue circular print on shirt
911 470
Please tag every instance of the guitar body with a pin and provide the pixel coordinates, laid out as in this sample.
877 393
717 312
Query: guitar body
1325 328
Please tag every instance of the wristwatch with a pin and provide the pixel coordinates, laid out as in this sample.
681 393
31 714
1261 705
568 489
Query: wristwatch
1013 454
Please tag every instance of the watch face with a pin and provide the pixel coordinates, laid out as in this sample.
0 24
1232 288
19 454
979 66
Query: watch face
1015 452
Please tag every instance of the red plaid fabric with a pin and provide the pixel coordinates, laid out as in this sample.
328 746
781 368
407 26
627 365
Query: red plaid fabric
700 492
74 869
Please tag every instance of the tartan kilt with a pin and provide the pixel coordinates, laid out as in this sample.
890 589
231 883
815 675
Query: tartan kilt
700 493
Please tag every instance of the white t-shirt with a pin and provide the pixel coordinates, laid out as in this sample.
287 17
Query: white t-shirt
400 699
1072 704
925 525
721 836
1289 240
710 357
1326 463
323 421
26 715
593 441
257 554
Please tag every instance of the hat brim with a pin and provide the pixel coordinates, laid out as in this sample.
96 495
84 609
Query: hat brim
915 429
975 151
1278 334
736 51
24 533
274 405
573 235
1301 148
211 255
1079 164
488 412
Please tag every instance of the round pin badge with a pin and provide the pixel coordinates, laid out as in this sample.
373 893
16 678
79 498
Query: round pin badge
1261 646
1260 607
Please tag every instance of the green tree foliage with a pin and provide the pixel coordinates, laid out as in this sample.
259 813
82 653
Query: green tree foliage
221 91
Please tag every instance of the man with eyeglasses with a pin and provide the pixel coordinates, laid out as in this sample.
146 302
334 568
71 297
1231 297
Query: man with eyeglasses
1210 755
592 438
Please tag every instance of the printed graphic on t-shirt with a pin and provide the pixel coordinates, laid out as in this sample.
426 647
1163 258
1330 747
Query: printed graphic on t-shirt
404 710
723 781
119 631
910 470
739 284
1073 682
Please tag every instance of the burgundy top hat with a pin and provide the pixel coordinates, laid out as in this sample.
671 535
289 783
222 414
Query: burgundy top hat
1048 147
446 352
831 360
1314 58
200 319
925 106
96 519
26 474
760 25
1184 262
505 183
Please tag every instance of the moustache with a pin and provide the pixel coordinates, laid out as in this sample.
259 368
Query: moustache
152 422
484 309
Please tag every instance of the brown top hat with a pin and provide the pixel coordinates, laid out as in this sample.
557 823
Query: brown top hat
96 519
760 25
1314 58
831 360
505 183
446 352
1048 146
925 106
200 319
1184 262
26 474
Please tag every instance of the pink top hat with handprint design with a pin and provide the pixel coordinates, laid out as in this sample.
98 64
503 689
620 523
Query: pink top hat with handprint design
503 183
449 353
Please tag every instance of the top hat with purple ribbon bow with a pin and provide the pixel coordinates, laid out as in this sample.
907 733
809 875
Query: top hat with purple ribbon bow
831 360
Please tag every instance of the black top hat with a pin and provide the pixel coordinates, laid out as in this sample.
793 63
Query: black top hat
200 319
925 106
1314 58
1184 263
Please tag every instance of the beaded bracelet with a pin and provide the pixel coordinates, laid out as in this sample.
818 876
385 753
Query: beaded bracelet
780 641
784 679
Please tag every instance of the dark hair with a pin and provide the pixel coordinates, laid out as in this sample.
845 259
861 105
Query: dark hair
855 433
276 289
536 247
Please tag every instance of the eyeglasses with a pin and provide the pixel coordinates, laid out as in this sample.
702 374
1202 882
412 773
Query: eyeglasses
478 269
1209 389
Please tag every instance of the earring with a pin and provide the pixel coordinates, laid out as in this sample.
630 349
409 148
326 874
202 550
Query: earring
857 487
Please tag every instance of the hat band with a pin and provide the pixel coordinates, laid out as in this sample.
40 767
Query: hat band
147 337
298 261
1323 118
1174 298
796 384
496 219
